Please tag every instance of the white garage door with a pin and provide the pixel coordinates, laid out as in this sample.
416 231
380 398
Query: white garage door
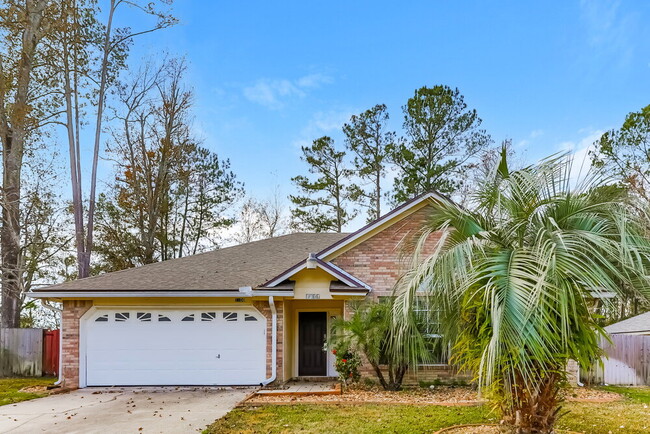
175 347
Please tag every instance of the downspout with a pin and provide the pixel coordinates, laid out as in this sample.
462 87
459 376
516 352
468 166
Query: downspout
45 304
274 342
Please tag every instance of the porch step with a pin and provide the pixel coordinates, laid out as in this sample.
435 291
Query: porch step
303 388
331 380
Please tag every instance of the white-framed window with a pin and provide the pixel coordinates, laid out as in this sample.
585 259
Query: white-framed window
429 321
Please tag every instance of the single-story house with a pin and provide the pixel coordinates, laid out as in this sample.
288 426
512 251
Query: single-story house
637 325
250 314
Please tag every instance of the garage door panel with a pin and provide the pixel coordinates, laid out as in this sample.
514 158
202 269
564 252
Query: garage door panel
133 347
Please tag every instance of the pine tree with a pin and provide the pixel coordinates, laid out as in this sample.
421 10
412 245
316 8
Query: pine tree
367 138
322 205
442 136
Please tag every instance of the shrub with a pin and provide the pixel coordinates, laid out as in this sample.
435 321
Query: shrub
347 365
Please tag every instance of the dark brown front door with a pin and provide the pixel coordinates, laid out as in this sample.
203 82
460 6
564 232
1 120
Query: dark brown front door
312 329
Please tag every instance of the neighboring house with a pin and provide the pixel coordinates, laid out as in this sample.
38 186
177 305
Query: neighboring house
254 313
627 354
637 325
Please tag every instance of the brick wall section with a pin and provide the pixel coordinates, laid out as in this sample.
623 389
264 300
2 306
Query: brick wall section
380 260
265 309
72 311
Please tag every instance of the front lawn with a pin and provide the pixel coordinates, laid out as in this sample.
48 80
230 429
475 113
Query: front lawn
630 415
368 418
10 388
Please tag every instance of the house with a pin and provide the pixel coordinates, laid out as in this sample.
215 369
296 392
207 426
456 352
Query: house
244 315
637 325
626 359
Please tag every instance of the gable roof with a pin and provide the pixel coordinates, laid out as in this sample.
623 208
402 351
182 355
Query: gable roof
366 231
230 268
343 276
265 264
639 324
324 255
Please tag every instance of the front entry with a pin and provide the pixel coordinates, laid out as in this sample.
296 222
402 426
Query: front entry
312 331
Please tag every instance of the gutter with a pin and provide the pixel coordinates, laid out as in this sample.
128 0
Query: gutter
118 294
274 343
45 304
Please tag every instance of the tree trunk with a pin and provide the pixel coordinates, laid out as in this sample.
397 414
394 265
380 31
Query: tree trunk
10 238
98 131
380 375
75 168
378 194
535 410
13 132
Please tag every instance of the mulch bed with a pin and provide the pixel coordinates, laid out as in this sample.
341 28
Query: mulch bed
440 395
36 389
585 394
483 429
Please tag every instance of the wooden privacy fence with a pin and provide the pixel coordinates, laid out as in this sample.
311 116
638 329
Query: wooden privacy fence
28 352
627 362
51 352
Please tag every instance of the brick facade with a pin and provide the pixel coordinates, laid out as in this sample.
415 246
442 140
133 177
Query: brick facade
380 260
72 311
265 309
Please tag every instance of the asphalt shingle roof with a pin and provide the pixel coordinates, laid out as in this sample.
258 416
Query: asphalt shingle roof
230 268
636 324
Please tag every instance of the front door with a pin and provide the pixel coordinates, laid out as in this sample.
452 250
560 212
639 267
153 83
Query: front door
312 331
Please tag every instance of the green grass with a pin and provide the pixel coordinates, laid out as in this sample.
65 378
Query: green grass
9 388
632 415
369 418
638 394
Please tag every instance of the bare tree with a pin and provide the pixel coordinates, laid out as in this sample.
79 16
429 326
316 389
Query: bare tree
249 223
112 54
272 215
261 219
170 196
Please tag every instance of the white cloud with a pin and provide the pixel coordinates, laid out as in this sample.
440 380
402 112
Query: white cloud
580 150
531 137
610 31
328 123
313 80
274 93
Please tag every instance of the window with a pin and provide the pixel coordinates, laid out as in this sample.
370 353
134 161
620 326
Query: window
230 316
144 316
428 318
103 318
248 317
121 316
208 316
188 318
163 318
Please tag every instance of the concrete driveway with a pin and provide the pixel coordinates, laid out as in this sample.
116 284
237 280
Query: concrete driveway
122 410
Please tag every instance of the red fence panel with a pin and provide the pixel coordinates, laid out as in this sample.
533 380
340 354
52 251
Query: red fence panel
51 352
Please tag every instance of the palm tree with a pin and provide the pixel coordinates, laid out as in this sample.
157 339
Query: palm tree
368 331
516 277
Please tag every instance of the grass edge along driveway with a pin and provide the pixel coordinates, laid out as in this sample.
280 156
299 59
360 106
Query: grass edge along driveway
10 388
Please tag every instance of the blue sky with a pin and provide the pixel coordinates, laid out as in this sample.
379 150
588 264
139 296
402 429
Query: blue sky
270 76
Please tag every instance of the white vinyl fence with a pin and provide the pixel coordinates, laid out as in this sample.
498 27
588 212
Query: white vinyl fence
21 352
627 362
